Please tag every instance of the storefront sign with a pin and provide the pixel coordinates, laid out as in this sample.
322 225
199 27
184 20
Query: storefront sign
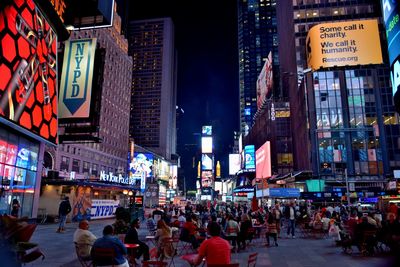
76 80
346 43
103 208
118 179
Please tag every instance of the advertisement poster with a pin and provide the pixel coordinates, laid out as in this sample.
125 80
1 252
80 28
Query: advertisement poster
234 163
206 179
103 208
206 130
141 167
207 162
346 43
263 161
76 80
28 67
206 144
265 81
249 158
82 203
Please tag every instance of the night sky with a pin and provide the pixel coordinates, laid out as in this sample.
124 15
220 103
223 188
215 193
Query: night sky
206 41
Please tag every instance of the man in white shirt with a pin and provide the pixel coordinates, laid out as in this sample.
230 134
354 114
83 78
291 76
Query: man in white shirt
84 239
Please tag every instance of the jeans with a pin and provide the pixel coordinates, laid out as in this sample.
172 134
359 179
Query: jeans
291 226
63 219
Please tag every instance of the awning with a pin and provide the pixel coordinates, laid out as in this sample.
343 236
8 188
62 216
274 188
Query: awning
88 183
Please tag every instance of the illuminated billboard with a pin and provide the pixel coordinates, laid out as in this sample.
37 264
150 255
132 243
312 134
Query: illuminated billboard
206 130
206 145
249 158
346 43
234 163
141 167
391 13
207 162
207 179
263 161
28 68
173 181
265 82
76 79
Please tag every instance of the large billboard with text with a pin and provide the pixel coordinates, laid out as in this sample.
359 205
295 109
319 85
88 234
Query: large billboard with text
28 70
263 161
141 167
346 43
76 80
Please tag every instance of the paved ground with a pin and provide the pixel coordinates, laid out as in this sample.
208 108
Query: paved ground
60 251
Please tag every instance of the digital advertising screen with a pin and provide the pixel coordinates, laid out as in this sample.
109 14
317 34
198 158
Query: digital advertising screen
206 145
265 82
207 179
141 167
28 67
263 161
206 130
234 163
207 162
249 158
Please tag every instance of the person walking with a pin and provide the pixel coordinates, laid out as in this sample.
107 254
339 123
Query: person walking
63 210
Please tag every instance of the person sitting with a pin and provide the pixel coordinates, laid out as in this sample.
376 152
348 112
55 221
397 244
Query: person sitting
215 250
189 233
84 239
109 241
163 234
132 237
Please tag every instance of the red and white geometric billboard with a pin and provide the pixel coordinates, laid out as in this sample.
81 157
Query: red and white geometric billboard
263 161
28 69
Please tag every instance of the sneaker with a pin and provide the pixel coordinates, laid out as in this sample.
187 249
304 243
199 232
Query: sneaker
293 237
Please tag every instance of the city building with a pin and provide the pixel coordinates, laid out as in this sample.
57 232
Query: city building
153 95
257 37
343 118
263 116
80 169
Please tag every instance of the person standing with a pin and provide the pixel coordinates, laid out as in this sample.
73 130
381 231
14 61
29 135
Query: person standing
63 210
15 208
290 214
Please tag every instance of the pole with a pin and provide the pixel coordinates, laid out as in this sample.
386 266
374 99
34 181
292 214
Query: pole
347 188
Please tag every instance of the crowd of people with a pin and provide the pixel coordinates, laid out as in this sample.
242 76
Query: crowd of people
217 231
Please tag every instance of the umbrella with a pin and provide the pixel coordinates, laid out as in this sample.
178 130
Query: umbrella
254 204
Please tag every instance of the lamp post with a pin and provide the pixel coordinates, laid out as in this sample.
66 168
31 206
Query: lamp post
125 192
347 187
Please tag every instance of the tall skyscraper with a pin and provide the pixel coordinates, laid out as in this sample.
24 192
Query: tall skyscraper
153 96
343 117
257 37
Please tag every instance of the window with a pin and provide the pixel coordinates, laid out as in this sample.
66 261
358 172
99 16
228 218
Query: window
64 165
76 165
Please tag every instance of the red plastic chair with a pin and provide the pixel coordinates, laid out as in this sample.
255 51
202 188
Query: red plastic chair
102 255
251 262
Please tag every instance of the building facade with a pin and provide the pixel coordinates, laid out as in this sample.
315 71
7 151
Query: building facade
110 155
345 120
257 37
153 95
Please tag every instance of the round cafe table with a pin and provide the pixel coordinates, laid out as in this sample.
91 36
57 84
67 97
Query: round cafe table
189 258
131 248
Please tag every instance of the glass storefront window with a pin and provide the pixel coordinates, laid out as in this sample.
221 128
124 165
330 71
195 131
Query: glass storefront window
18 166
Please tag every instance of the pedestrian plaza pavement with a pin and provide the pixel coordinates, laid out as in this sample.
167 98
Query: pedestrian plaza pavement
60 251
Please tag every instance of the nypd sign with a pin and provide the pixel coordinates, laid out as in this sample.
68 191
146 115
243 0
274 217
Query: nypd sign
103 208
119 179
76 80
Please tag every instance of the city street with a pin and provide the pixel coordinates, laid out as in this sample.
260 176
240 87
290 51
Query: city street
60 251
